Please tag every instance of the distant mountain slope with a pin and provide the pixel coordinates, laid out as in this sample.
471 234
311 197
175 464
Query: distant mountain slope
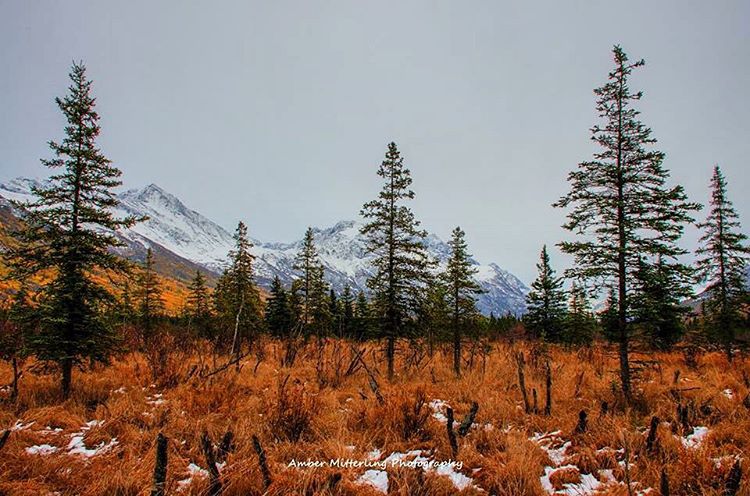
194 240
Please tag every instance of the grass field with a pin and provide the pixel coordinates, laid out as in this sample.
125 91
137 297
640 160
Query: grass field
384 435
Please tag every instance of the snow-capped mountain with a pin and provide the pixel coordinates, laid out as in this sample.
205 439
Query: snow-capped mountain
189 235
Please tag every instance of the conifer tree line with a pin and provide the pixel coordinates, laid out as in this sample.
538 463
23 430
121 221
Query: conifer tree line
624 215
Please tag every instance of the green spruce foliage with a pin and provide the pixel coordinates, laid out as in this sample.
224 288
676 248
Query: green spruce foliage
723 264
151 303
621 206
400 259
199 306
236 297
278 311
462 290
545 317
68 234
579 324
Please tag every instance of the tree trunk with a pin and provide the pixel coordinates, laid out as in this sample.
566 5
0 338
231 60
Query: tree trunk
456 339
390 355
67 372
14 386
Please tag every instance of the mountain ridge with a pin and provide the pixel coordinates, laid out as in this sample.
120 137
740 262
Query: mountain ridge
189 235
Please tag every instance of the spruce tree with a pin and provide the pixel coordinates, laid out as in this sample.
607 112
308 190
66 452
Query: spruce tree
18 322
68 232
722 264
435 312
462 290
400 261
334 310
278 312
546 302
579 323
347 310
362 317
151 303
657 307
319 303
308 263
237 299
198 304
621 205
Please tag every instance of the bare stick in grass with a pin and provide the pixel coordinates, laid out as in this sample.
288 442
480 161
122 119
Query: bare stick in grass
548 386
651 439
734 479
262 462
463 429
451 434
160 467
4 438
664 484
522 381
214 487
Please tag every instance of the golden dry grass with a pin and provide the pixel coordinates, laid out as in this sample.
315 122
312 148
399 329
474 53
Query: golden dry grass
310 411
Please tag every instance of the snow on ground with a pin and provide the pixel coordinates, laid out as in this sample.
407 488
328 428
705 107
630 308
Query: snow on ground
438 408
418 459
695 439
156 399
459 480
193 471
728 393
76 446
41 449
556 448
376 478
553 444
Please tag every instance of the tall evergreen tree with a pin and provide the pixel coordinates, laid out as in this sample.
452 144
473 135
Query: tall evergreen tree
401 262
68 232
308 263
722 263
462 290
151 303
546 302
278 311
621 205
237 299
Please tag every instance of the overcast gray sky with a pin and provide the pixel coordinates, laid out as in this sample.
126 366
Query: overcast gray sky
279 112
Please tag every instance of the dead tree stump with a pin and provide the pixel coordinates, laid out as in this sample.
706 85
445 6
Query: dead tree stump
262 462
160 467
451 434
214 486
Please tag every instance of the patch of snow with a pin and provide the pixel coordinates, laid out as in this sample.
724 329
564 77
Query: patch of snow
695 439
374 454
551 442
588 484
41 449
459 480
438 407
193 471
376 478
76 446
728 393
